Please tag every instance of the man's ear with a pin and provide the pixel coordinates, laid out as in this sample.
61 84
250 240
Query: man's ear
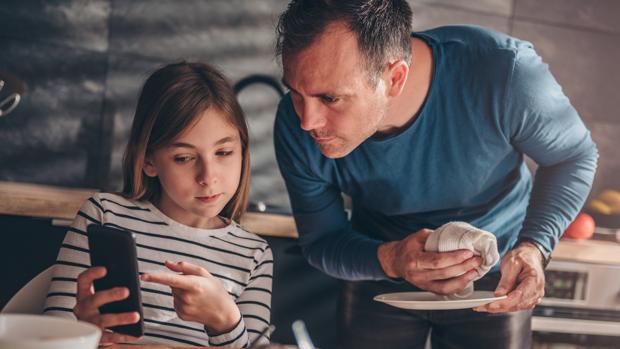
396 74
148 167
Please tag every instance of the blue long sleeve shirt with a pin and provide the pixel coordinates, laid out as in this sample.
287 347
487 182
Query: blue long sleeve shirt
491 100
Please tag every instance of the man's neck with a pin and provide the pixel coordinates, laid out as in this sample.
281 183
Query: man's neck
405 107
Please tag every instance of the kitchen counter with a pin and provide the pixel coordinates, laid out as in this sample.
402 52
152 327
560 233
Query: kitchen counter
33 200
61 204
153 346
588 251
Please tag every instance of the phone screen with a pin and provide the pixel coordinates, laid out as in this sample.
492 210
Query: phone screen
116 250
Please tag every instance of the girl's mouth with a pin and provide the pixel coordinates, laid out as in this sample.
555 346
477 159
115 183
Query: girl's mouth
208 199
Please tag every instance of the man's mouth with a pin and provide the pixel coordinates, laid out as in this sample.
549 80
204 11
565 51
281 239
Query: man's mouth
322 138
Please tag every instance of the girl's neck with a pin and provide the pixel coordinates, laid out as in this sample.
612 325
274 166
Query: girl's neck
184 217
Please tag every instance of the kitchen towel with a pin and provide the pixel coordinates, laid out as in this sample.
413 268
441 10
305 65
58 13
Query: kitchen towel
464 236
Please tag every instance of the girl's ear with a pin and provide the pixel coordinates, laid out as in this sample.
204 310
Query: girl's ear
148 167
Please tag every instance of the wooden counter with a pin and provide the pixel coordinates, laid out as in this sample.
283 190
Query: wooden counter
153 346
146 346
588 251
34 200
62 203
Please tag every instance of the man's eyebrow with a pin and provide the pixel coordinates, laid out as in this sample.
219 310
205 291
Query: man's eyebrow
320 94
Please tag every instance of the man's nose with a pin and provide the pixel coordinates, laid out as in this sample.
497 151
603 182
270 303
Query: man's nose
313 117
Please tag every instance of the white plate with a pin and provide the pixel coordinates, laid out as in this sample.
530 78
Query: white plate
46 332
431 301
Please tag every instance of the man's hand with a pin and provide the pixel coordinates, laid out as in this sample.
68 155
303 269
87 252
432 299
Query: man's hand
438 272
523 280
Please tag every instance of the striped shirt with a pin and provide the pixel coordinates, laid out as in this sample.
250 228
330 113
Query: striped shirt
240 260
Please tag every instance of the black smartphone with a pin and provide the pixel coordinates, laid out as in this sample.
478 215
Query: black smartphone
116 250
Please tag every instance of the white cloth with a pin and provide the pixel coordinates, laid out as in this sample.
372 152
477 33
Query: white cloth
464 236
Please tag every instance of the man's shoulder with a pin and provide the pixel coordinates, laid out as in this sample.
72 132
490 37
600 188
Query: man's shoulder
473 37
489 56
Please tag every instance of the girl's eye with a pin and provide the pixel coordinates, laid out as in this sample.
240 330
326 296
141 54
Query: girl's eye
183 158
224 153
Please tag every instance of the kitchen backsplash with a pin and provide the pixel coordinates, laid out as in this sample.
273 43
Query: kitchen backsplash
84 61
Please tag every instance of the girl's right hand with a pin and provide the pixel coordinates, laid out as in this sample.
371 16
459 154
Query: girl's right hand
89 301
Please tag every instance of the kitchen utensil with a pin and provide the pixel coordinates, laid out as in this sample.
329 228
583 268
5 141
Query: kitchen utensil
301 335
16 89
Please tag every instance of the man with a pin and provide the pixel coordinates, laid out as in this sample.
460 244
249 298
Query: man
418 130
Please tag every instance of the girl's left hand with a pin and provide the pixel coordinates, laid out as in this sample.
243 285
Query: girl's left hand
198 296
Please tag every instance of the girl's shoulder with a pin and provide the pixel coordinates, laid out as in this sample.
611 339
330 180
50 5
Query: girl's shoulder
108 207
103 208
237 232
116 201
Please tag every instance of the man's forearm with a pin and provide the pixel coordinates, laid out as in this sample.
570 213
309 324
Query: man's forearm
345 255
558 195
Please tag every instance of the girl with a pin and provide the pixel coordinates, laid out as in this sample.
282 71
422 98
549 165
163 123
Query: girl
205 281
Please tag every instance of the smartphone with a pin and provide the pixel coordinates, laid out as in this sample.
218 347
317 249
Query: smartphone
116 250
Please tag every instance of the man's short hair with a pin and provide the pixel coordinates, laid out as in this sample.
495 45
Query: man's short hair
382 27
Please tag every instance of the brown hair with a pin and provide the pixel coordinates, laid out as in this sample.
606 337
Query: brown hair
172 99
382 27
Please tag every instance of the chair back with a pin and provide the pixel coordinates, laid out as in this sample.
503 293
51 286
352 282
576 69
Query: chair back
30 299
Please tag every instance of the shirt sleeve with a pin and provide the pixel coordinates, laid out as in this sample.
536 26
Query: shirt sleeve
326 237
255 306
73 258
542 123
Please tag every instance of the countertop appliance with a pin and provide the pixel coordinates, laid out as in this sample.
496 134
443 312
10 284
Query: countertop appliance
581 307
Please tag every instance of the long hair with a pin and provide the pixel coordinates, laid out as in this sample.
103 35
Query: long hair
383 28
172 99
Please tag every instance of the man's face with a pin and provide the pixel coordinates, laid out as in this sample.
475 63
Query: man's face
331 93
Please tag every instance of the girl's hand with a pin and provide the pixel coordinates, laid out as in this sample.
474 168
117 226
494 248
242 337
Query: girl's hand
198 296
89 301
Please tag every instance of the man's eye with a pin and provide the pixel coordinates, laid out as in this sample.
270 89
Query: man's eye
183 159
329 99
224 153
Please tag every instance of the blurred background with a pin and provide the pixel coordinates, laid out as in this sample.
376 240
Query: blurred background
79 66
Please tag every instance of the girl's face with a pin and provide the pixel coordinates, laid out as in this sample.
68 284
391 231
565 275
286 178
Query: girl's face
199 171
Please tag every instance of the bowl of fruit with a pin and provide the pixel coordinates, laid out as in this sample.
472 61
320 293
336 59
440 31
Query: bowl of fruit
605 209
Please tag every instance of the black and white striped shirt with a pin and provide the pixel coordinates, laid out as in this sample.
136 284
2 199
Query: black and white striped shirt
242 261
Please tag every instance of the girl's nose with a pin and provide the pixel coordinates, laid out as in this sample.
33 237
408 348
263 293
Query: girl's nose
206 174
